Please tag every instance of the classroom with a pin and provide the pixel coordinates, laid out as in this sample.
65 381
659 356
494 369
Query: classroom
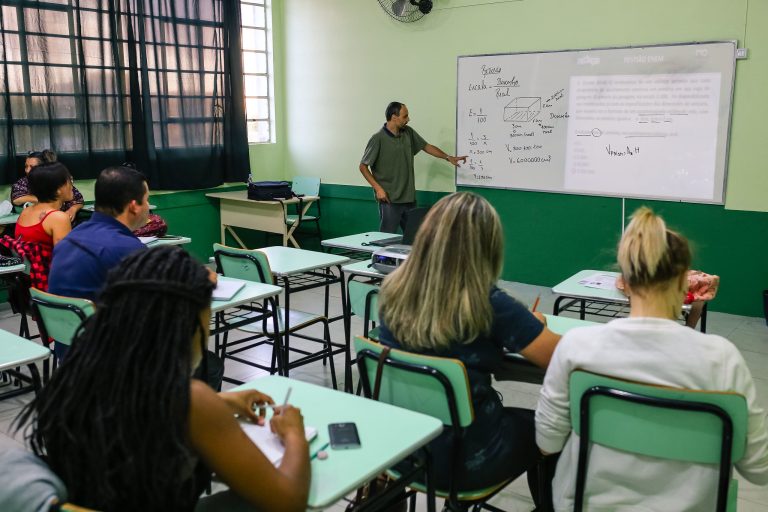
334 65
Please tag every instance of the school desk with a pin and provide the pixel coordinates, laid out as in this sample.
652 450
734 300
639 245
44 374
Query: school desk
15 352
356 246
237 211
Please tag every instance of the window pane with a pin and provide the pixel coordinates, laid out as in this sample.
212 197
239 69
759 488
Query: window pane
257 108
254 39
258 131
52 50
255 85
45 79
9 18
253 15
46 21
12 49
254 62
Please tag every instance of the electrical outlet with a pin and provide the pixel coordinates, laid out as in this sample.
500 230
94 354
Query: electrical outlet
741 53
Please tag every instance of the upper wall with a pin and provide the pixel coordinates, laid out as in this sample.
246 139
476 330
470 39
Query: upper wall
344 60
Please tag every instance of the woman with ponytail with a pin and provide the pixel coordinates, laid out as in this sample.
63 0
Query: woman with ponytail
652 347
124 425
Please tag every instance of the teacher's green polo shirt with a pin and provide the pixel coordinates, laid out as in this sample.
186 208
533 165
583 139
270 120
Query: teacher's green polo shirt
390 158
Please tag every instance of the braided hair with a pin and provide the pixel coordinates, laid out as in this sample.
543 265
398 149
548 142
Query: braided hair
113 420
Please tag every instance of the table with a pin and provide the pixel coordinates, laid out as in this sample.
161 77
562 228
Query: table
382 445
9 218
358 244
243 299
299 270
16 351
599 302
169 240
239 211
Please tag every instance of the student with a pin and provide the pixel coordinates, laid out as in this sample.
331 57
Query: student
42 225
125 427
21 192
652 347
444 301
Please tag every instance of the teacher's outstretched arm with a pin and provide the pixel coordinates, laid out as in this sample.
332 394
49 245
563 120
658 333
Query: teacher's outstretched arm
442 155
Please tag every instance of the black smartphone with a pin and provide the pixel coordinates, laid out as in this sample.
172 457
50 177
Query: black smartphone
343 436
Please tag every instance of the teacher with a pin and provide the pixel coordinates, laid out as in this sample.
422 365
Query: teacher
387 165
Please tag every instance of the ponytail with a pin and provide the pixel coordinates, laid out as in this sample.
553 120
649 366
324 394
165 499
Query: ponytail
649 253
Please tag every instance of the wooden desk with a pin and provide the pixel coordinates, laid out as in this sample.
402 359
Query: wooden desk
237 211
388 435
610 303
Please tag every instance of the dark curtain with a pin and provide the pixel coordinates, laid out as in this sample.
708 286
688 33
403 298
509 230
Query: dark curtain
155 82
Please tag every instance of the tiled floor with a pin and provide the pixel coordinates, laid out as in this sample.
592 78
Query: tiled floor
749 334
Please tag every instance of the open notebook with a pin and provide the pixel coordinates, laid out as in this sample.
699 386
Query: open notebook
225 290
269 444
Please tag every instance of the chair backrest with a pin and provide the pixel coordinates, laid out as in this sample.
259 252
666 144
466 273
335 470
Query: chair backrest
437 386
246 264
364 302
306 185
668 423
59 317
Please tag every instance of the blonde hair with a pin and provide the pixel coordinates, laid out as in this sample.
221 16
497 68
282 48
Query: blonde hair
649 253
441 294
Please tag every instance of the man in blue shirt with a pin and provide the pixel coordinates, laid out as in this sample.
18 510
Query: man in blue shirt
82 259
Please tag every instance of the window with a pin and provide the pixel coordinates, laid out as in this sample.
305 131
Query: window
257 70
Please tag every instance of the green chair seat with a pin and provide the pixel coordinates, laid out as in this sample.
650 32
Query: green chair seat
292 219
298 320
60 317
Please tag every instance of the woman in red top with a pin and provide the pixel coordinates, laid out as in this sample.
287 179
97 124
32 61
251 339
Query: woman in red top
44 223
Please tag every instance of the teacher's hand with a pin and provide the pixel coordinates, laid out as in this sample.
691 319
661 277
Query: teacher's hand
456 159
381 195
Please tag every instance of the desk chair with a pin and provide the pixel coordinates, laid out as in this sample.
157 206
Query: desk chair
306 186
667 423
436 386
58 318
364 302
252 265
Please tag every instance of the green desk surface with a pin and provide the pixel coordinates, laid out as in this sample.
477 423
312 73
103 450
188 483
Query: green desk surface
362 268
10 218
18 351
181 240
562 324
286 261
387 434
251 292
91 207
358 242
571 288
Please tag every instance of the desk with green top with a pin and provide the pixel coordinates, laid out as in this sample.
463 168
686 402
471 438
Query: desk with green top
15 352
237 211
358 244
388 435
599 302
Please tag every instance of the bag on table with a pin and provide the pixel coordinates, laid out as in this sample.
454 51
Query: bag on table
155 226
269 190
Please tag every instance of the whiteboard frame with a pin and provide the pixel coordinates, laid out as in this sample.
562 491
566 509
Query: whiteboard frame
653 198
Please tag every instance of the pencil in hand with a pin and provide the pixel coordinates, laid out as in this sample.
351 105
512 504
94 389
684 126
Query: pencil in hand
536 304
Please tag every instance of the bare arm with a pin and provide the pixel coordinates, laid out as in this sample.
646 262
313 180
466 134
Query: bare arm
58 225
19 201
224 447
540 350
72 210
381 194
442 155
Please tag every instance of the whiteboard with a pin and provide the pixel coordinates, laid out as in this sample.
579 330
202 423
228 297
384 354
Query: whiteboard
648 122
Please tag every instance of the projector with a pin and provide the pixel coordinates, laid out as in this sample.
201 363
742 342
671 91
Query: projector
388 258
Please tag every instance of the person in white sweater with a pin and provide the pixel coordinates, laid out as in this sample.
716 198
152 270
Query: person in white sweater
651 347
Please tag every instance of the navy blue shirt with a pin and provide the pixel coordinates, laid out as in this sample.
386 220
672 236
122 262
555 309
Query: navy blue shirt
83 258
489 442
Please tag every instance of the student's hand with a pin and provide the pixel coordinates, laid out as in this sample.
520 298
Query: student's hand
212 276
244 402
381 195
456 159
287 420
72 213
540 316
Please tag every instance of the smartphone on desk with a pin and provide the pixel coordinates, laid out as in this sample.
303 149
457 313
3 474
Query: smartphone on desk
343 436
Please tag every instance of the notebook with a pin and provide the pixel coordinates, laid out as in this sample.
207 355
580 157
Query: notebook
225 290
269 444
413 220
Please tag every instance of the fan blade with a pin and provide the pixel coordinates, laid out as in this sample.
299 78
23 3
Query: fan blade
399 7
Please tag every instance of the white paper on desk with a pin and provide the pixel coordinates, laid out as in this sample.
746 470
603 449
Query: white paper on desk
147 239
600 281
269 444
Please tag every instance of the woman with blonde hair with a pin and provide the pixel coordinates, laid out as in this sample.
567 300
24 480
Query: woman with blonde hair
650 346
444 301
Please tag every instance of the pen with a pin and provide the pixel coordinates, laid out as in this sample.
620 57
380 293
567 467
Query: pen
257 406
535 304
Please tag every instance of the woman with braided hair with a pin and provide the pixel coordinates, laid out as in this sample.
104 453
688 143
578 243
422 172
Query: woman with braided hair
124 425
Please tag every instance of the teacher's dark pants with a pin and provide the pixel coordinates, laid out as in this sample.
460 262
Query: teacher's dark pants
392 215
